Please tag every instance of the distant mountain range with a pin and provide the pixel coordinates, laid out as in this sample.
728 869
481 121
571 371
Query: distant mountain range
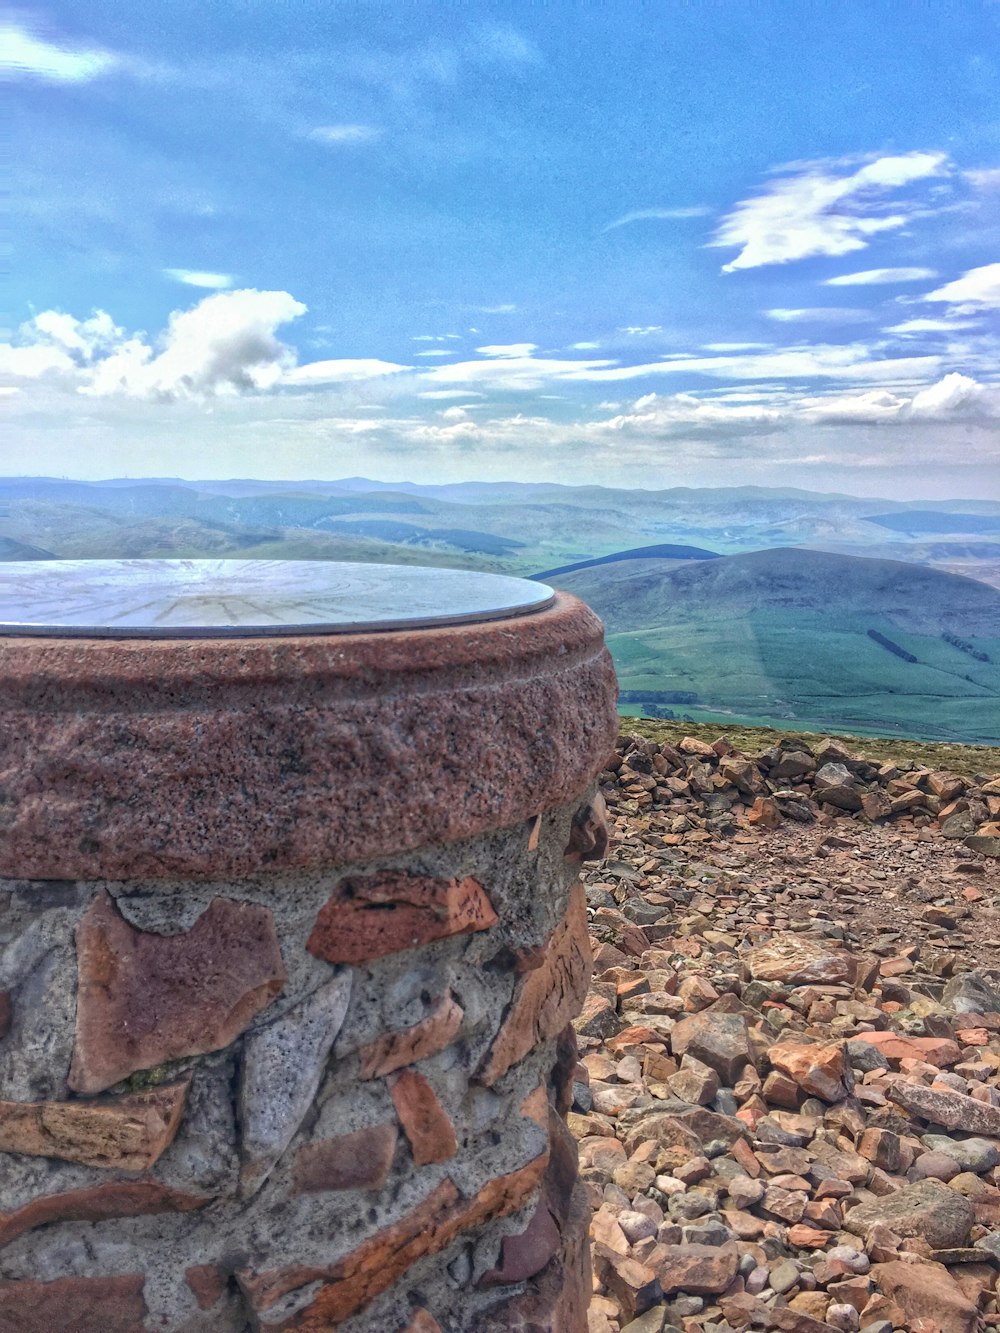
769 605
516 527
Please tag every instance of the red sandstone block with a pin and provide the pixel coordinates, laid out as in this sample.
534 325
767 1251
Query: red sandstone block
430 1035
144 998
536 1107
83 1304
358 1161
525 1254
128 1133
371 917
118 1198
545 999
422 1322
208 1282
353 1281
425 1121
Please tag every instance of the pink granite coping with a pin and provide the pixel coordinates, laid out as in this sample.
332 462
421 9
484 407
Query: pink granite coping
204 758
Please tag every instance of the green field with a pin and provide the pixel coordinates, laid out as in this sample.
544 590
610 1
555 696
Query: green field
804 668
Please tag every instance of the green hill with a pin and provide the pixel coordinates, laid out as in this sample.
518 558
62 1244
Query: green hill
664 551
806 639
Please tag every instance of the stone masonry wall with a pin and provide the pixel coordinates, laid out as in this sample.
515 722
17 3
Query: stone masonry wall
314 1099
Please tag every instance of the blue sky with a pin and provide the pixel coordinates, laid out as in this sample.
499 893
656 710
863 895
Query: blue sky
685 243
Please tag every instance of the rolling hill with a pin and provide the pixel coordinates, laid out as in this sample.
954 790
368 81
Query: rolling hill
664 551
805 638
517 528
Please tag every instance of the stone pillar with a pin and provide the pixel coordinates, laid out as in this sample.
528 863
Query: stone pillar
291 936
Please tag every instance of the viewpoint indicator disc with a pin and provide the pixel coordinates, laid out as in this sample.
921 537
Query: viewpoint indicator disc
148 599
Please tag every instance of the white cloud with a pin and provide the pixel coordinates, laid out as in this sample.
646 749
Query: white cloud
658 215
192 277
584 347
347 135
226 344
873 277
341 371
520 373
31 363
684 414
734 347
955 397
82 339
931 326
867 408
506 309
437 351
23 54
977 289
819 315
986 179
508 349
818 210
816 361
641 331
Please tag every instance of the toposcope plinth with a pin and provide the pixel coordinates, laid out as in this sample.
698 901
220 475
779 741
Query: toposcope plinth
291 938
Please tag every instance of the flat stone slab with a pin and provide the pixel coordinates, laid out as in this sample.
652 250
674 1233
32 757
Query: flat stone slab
215 598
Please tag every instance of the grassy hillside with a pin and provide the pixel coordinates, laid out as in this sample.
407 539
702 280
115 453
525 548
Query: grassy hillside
806 639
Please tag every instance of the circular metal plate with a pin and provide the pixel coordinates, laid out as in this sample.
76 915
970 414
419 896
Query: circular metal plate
178 599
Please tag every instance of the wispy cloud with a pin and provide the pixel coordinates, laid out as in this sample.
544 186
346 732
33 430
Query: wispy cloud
345 136
820 209
508 349
25 54
659 215
954 397
193 277
341 371
986 178
979 289
734 347
822 314
931 326
503 44
506 309
873 277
